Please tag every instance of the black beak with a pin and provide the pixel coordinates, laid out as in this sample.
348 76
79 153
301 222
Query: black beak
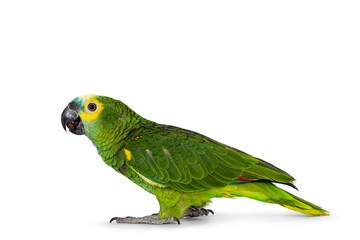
71 119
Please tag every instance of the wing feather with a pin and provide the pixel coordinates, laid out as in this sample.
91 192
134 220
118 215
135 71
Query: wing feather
188 161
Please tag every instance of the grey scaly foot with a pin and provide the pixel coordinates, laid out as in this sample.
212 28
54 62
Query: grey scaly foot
152 219
197 212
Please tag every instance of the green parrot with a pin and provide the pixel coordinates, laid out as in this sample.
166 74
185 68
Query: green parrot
182 168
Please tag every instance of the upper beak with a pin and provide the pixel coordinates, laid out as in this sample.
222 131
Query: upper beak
70 118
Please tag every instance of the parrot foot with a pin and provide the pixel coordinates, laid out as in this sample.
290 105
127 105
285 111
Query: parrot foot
152 219
197 212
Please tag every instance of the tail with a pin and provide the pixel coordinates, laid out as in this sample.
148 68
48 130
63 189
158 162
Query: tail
268 192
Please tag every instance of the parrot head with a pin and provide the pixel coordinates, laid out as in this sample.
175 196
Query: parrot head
95 116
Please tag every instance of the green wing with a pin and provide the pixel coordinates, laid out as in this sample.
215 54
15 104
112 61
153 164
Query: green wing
188 161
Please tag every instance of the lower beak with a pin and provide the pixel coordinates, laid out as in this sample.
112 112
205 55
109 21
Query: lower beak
70 118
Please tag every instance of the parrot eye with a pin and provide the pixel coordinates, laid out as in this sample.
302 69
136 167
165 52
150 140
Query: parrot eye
91 107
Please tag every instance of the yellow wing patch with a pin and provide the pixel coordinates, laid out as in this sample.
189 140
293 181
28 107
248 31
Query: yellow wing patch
127 154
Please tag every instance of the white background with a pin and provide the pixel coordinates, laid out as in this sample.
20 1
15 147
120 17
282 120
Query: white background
276 79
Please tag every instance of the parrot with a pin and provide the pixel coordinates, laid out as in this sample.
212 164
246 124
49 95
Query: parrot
182 168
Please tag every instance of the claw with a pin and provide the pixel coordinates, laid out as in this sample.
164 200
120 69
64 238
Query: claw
176 219
114 218
197 212
207 210
204 210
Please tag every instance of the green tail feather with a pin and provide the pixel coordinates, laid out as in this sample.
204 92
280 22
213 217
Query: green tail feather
268 192
305 207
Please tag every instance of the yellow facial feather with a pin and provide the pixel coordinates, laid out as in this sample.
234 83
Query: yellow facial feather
88 115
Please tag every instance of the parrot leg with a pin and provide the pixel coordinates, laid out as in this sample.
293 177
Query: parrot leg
151 219
197 212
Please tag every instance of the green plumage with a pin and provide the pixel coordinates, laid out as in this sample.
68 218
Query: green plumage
181 167
187 161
